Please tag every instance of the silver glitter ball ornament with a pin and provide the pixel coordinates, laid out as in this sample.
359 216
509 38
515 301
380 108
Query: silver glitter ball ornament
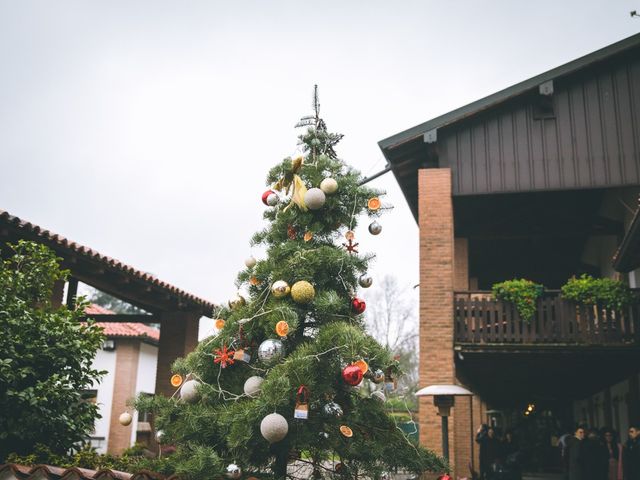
375 228
233 471
332 409
159 436
189 391
272 200
365 281
271 351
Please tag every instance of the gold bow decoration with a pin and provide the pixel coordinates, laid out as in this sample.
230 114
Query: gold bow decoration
291 182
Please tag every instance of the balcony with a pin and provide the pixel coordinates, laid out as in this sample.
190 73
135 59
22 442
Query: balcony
480 320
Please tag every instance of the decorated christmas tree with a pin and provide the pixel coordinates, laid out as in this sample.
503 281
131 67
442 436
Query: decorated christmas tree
291 385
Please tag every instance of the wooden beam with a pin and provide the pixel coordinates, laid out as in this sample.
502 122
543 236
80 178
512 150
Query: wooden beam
72 293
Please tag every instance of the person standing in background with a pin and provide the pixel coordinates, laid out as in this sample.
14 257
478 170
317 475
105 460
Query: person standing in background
614 450
575 454
631 454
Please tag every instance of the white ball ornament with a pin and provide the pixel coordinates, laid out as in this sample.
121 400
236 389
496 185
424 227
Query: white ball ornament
329 186
314 198
272 200
159 436
125 419
189 391
250 262
233 471
252 386
274 427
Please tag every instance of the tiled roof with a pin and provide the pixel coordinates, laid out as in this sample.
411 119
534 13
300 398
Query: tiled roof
122 329
11 471
61 243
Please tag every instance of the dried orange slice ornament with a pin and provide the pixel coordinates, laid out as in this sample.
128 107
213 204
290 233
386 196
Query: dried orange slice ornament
219 323
254 281
374 203
282 328
308 236
176 380
346 431
349 235
362 365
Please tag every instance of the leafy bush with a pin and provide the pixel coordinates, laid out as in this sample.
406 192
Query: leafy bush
523 293
132 460
46 356
607 292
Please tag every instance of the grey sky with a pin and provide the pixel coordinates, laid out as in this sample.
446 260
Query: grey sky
145 129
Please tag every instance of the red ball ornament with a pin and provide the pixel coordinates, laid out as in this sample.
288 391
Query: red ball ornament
265 195
352 375
358 305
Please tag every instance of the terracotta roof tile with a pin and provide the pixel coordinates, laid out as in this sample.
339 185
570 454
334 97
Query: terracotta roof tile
57 240
11 471
122 329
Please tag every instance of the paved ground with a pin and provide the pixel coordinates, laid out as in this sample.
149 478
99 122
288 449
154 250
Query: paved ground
542 476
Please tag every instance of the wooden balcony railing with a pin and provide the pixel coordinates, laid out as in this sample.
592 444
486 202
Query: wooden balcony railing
478 319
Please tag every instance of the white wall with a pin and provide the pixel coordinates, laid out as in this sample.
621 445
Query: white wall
146 377
104 360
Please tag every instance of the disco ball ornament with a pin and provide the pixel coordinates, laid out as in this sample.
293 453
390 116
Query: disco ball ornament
377 376
189 391
385 476
253 386
265 196
233 471
272 200
159 436
375 228
274 427
280 289
314 199
237 301
365 281
302 292
332 409
250 262
352 375
271 351
125 419
379 396
358 305
329 186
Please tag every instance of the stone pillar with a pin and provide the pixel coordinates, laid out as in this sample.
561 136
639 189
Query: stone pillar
178 337
124 388
435 209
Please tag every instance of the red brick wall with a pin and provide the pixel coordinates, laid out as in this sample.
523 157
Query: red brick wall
178 337
124 388
436 298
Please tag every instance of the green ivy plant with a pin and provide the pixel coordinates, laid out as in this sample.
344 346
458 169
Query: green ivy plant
523 293
607 292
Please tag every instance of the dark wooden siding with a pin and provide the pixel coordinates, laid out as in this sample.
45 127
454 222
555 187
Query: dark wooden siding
591 140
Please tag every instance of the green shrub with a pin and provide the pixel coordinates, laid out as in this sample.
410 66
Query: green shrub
606 292
522 293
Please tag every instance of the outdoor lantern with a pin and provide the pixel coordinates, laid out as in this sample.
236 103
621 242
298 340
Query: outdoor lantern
443 399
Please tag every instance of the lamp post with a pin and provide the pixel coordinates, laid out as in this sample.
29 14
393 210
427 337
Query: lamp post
443 398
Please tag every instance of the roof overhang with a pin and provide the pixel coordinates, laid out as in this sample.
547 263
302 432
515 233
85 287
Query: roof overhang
627 257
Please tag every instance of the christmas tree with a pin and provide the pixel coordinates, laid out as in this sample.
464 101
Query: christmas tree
278 391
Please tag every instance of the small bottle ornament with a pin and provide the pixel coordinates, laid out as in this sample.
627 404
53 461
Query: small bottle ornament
301 411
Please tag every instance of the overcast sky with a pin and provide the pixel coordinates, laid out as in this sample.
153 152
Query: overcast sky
144 129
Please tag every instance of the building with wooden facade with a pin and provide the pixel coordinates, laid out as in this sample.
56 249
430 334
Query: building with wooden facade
538 181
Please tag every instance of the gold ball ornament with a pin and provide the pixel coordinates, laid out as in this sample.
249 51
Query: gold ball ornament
302 292
280 289
329 186
237 301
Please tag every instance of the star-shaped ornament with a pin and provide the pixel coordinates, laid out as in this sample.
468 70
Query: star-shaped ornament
351 247
223 356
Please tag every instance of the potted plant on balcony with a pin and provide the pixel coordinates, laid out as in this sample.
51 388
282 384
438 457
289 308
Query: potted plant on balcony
522 293
605 292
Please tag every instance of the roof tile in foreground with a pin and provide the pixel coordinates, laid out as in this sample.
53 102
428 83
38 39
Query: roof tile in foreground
12 471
